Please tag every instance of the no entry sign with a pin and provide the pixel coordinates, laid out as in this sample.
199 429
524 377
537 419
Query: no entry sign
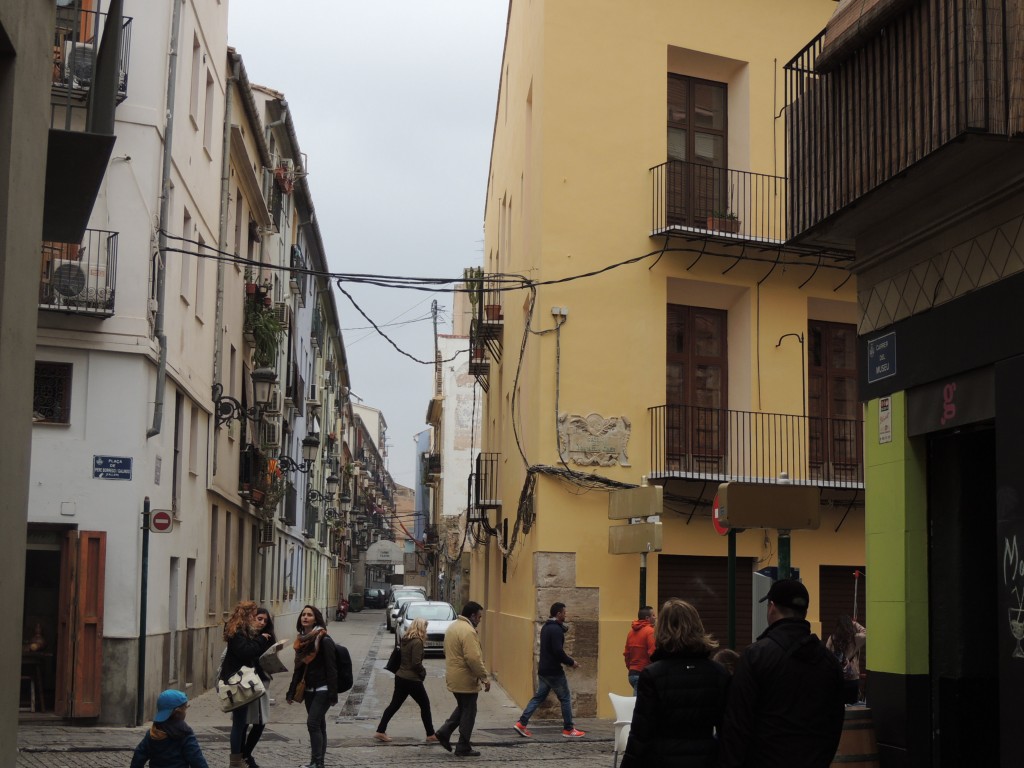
160 521
721 528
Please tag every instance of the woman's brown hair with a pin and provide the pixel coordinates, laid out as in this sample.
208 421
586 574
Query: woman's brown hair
241 619
679 628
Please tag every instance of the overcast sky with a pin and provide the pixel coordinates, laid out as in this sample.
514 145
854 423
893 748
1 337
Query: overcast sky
393 103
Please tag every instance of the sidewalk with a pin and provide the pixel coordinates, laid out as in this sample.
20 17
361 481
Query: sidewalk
350 725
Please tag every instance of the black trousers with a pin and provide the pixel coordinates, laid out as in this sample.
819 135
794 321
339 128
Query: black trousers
403 690
463 718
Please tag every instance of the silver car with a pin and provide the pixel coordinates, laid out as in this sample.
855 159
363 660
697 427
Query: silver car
417 593
439 617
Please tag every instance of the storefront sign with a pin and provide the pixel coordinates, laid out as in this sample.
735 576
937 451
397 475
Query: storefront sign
882 357
967 398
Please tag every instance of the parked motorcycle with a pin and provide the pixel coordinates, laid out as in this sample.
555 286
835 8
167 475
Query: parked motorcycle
341 612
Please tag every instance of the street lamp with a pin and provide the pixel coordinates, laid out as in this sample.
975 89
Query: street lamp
310 446
313 496
228 408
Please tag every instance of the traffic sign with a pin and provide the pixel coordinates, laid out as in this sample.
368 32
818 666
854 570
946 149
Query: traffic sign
160 521
721 528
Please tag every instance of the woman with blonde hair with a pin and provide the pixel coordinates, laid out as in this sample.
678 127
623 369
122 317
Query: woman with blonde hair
246 643
409 681
680 696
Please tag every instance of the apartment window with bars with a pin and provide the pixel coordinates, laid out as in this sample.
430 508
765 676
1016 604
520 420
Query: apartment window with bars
51 398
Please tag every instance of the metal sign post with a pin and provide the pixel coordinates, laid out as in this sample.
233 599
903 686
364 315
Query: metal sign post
143 595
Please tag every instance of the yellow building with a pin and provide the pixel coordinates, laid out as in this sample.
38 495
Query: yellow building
641 315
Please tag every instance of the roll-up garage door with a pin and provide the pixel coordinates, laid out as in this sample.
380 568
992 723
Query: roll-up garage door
704 582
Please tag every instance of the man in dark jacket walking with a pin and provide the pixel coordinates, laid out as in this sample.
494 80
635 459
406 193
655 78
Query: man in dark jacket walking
785 707
551 676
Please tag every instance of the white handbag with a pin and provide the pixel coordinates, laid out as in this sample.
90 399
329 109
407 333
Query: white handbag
240 689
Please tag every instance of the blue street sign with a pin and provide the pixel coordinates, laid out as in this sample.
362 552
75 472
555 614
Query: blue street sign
112 467
882 357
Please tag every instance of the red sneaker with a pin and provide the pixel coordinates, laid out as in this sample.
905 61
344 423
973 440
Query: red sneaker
522 730
573 733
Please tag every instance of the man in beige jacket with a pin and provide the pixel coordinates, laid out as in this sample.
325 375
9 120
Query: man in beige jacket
464 671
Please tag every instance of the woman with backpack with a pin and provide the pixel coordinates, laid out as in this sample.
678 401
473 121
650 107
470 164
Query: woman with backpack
846 643
409 682
315 679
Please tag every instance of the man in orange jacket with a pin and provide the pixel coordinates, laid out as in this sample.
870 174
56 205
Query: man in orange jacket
639 644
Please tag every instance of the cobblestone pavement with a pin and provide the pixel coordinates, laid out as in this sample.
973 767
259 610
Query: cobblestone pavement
53 743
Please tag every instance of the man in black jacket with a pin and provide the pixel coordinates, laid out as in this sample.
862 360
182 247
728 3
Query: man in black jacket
785 705
551 676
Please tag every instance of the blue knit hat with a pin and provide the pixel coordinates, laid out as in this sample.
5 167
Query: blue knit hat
167 702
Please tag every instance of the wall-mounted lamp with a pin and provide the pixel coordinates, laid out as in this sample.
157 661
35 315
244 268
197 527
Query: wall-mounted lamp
228 408
313 496
310 446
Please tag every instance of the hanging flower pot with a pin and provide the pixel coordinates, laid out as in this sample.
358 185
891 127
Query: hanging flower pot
257 497
492 312
250 289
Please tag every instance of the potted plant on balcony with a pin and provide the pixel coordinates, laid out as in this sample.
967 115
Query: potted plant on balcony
724 221
473 279
266 332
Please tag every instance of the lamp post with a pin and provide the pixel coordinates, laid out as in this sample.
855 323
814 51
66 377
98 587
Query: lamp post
310 446
229 409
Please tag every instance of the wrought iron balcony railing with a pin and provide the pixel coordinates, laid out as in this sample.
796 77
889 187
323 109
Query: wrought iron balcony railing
76 37
79 277
727 203
718 445
486 491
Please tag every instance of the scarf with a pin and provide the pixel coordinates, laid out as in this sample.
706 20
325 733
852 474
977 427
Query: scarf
307 645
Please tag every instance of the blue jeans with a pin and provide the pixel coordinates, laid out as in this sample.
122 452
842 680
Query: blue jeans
544 686
634 678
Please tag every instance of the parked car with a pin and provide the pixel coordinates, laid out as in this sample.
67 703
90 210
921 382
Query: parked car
374 597
418 592
439 617
400 601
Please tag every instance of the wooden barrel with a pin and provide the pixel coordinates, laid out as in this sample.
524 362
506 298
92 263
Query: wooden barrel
857 746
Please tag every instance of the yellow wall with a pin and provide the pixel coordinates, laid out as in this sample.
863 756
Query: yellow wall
581 117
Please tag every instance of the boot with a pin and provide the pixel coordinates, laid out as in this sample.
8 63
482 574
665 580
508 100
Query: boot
249 761
236 760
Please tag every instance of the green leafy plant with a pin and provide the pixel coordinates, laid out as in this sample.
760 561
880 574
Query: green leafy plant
725 214
267 332
473 278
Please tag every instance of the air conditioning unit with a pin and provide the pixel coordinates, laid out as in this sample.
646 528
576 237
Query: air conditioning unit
274 406
334 561
283 313
271 434
79 283
266 534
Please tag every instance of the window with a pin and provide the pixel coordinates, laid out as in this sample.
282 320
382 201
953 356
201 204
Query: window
208 115
834 428
697 181
696 392
183 258
51 397
193 441
197 69
200 279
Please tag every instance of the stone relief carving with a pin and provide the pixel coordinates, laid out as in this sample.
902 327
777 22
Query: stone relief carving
593 440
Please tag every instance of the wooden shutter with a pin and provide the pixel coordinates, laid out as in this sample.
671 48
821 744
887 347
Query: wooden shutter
80 645
704 583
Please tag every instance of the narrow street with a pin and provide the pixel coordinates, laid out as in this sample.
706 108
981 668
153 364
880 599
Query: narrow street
350 725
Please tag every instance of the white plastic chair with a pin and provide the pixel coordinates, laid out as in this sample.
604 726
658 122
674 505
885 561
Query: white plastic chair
623 706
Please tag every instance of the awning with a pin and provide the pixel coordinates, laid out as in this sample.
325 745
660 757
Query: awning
853 24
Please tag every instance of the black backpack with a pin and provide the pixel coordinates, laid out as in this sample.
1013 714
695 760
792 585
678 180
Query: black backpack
344 663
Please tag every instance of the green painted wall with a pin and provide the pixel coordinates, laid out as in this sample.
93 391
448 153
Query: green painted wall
896 542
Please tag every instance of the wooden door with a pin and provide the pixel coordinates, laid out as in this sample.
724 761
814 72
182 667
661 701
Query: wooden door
696 177
834 426
696 389
80 641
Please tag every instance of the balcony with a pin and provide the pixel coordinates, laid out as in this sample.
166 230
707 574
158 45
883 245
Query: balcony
90 78
75 54
484 483
917 123
693 201
252 472
78 278
712 445
479 365
431 468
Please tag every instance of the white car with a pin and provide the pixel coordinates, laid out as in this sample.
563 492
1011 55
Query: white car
414 593
439 617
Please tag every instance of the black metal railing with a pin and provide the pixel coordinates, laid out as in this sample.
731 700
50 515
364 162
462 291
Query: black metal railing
721 445
252 471
430 533
486 492
433 462
735 205
75 47
920 81
479 364
80 277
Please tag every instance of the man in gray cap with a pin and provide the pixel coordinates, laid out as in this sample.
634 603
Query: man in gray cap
785 704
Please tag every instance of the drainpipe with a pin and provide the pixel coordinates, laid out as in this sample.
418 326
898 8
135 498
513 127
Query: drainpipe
165 195
222 235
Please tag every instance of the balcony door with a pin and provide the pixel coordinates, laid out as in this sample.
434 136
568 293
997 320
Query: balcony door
696 179
836 444
696 377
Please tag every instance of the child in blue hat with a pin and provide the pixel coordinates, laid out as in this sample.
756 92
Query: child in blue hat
170 742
